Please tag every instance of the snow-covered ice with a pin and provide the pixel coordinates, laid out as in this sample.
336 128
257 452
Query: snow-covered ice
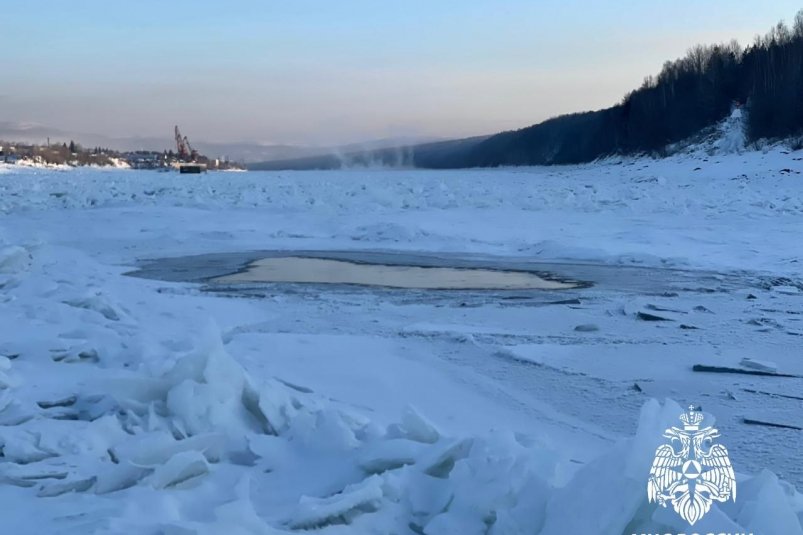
130 405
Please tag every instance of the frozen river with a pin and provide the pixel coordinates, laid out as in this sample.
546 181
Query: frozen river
259 367
592 348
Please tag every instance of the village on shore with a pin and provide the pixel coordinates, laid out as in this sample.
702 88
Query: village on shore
72 154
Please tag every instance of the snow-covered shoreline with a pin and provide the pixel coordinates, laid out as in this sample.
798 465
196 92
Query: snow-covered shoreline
124 408
115 163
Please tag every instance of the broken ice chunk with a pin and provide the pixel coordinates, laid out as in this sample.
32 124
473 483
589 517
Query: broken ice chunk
343 507
414 427
181 467
760 365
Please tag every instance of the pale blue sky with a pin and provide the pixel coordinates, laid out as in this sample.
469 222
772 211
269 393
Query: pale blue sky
324 71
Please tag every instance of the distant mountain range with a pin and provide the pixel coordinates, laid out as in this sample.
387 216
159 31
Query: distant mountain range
433 155
241 152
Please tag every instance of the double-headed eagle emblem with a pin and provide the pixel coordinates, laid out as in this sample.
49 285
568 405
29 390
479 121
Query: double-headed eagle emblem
690 472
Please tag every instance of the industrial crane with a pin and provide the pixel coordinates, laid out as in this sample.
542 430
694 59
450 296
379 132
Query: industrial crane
185 151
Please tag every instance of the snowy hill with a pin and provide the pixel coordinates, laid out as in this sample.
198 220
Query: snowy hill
726 137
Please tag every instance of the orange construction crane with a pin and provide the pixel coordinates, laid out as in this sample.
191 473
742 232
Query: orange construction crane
185 151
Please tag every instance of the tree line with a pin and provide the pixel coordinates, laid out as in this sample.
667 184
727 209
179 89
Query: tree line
689 94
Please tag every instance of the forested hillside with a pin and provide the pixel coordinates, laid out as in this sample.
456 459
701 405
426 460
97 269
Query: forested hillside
688 95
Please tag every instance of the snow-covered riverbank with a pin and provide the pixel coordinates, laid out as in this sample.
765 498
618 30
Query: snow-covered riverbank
130 405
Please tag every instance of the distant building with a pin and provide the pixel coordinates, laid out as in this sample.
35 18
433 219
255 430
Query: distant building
8 154
145 160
